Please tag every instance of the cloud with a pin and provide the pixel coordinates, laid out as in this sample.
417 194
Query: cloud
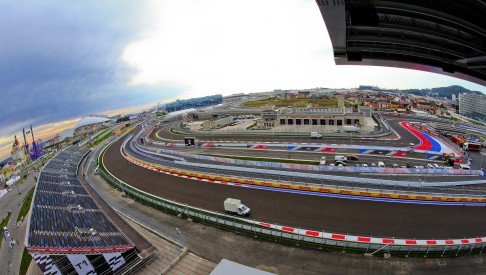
224 46
61 60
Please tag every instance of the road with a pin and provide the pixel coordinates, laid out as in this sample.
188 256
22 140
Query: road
406 137
311 212
10 257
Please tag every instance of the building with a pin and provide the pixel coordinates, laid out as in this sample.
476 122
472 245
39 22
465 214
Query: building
473 106
18 152
235 98
318 116
340 100
216 123
90 124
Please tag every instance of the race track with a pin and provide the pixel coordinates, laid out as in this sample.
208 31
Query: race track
310 212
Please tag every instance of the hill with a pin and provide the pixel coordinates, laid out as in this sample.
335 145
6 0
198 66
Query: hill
441 91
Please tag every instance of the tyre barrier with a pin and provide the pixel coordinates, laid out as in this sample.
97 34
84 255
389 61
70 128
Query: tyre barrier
298 236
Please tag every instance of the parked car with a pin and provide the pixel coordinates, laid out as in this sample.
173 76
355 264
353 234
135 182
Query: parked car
364 165
352 157
394 165
340 163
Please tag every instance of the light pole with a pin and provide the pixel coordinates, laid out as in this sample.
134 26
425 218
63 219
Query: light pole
16 185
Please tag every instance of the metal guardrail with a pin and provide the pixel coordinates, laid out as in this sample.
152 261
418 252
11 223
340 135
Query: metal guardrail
335 241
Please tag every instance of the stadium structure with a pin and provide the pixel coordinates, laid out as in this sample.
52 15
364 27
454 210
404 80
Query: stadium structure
446 37
68 231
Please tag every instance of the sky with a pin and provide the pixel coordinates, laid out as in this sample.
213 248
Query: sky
61 60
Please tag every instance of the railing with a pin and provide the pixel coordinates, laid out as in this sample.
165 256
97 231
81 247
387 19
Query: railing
307 238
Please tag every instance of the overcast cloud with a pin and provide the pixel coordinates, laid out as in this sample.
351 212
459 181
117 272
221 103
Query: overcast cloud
60 60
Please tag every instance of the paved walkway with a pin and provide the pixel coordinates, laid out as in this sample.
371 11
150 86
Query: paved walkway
172 258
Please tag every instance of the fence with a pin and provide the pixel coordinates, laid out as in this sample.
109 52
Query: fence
299 177
300 237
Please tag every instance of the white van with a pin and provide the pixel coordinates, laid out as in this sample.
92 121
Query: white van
323 161
381 164
340 158
465 167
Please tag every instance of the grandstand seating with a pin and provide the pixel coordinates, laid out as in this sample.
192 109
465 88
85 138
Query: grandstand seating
64 216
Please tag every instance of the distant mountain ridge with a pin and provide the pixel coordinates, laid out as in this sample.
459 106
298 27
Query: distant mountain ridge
441 91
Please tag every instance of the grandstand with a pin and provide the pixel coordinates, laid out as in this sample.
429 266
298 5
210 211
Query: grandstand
447 129
67 230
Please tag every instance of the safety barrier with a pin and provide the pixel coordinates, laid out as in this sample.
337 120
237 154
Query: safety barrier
299 236
476 199
322 168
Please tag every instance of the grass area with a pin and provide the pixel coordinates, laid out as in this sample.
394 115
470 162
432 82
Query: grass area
25 262
3 224
294 102
101 138
26 205
265 159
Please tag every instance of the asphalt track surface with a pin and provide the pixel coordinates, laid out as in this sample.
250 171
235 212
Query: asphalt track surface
309 212
405 140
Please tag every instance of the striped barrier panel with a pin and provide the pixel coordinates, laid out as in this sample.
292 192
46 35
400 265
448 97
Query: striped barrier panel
234 180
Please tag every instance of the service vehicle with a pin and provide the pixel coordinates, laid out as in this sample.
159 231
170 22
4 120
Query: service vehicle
340 163
394 165
471 146
381 164
235 206
337 131
340 158
315 135
465 167
352 157
351 129
323 161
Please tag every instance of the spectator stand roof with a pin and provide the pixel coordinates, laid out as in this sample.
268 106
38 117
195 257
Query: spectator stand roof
446 37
